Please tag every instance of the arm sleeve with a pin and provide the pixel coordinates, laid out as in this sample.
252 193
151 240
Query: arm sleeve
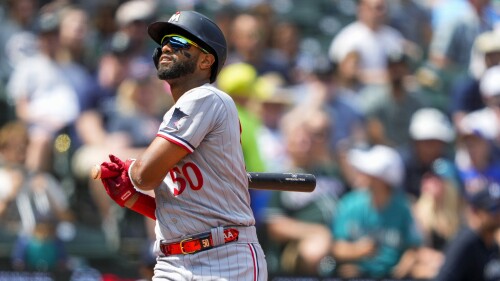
191 119
145 205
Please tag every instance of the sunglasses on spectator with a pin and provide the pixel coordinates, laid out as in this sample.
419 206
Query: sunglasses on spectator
178 42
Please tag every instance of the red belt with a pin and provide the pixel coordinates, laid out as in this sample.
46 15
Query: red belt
196 243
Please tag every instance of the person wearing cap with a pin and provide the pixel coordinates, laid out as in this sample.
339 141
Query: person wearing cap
238 80
431 135
132 18
474 254
373 228
205 227
477 153
466 94
486 120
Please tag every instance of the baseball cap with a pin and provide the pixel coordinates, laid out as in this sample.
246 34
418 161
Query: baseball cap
47 22
430 124
488 42
379 161
237 79
482 123
484 194
134 10
268 89
489 84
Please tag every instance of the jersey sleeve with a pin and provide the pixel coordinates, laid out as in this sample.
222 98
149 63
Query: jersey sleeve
194 116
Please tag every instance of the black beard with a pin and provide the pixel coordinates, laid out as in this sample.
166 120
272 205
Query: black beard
178 69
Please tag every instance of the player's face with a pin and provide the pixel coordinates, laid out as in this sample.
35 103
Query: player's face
179 58
176 67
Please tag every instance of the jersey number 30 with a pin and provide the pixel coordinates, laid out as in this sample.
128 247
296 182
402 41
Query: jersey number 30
188 174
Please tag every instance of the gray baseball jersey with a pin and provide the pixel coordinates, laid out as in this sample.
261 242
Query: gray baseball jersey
209 187
207 191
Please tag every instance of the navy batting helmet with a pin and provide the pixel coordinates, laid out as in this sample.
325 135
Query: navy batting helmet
198 28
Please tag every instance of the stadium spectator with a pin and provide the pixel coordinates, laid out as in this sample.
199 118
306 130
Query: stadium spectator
32 206
413 20
17 34
466 95
249 46
373 228
477 153
438 214
40 250
285 45
432 137
474 254
453 39
372 38
388 108
132 18
347 79
298 224
273 102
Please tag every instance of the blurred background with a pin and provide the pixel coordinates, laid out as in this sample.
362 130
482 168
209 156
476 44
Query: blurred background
394 105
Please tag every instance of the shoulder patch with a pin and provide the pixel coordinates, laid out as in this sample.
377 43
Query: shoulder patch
177 119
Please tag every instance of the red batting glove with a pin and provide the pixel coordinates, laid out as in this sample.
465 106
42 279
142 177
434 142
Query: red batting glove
119 188
114 177
112 169
116 181
109 170
115 167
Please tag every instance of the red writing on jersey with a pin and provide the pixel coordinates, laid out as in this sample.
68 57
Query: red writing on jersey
188 174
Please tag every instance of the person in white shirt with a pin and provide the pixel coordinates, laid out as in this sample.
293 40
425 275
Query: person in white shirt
371 38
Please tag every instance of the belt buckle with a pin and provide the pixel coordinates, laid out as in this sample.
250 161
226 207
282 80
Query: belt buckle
182 246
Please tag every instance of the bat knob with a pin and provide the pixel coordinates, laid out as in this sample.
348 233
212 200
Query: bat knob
95 172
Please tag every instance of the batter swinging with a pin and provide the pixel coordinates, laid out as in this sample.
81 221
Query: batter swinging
205 226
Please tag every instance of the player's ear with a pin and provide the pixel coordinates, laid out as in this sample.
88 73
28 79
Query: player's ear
206 61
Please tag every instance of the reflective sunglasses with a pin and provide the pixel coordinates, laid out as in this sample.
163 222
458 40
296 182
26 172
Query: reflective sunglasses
178 42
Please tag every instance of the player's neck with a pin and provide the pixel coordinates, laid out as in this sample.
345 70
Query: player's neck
179 87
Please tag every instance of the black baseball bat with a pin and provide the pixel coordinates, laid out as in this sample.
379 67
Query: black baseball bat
299 182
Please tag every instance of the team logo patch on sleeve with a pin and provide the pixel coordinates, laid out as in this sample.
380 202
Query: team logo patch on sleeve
177 119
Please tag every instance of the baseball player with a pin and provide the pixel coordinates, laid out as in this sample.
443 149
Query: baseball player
204 224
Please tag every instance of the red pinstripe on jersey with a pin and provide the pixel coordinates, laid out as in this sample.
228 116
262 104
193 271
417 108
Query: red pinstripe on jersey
254 261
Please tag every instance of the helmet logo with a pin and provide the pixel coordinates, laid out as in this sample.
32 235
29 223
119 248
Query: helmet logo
175 17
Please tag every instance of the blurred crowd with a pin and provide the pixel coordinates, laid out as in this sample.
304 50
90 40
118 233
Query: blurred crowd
394 106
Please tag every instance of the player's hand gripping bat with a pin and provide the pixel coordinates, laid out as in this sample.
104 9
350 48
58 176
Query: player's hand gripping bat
298 182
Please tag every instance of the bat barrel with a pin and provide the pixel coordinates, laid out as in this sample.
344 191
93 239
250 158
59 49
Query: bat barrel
299 182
